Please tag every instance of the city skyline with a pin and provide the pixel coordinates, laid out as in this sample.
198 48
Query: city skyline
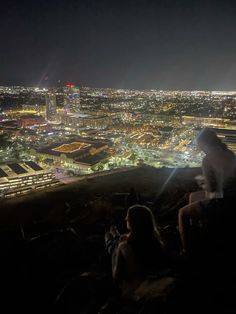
74 132
129 45
46 88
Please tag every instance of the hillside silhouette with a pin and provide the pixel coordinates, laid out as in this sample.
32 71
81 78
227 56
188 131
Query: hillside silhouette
52 240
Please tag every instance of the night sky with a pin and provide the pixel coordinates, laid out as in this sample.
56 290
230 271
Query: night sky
137 44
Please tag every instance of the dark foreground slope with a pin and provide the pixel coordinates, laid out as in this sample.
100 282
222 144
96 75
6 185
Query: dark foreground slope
166 185
50 238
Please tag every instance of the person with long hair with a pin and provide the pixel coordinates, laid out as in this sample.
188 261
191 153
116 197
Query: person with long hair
219 172
139 253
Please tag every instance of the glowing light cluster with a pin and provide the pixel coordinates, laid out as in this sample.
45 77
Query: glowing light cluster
71 147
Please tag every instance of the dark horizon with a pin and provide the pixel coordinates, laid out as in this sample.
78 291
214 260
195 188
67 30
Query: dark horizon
140 44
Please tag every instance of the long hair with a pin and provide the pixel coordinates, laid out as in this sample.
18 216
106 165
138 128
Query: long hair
209 138
142 225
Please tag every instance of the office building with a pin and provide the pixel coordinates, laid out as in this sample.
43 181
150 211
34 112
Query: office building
21 178
71 99
51 106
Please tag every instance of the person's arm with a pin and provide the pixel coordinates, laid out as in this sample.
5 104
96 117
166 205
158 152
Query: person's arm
118 264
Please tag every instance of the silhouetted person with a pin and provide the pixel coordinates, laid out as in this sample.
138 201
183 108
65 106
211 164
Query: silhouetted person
139 253
219 172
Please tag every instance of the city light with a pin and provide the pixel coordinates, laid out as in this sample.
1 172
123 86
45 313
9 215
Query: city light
89 130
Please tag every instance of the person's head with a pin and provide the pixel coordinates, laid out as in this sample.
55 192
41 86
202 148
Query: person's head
141 222
208 140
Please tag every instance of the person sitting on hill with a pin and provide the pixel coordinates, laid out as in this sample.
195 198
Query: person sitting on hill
138 254
219 172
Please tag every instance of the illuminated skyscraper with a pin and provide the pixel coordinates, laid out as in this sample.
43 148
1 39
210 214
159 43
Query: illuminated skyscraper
51 106
72 99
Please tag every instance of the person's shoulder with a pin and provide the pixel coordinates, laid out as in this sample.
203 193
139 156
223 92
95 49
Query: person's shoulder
124 247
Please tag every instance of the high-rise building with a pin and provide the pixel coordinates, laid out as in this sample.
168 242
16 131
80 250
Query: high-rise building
72 99
51 106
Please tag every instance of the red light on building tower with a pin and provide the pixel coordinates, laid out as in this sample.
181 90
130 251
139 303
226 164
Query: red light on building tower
70 85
